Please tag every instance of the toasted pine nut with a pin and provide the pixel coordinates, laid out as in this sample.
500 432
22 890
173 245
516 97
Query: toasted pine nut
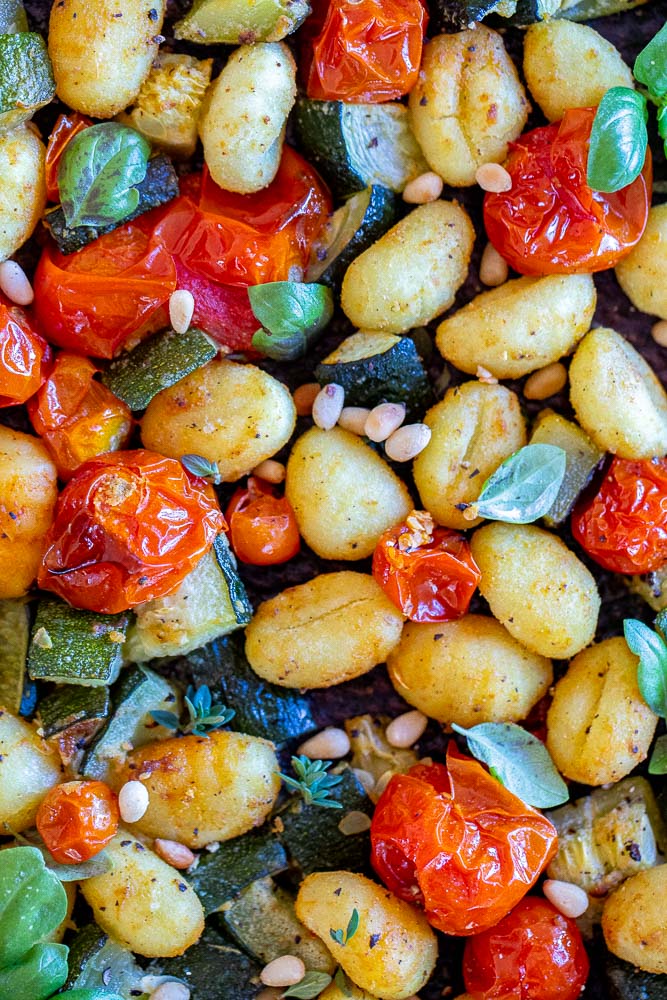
492 177
427 187
406 729
354 822
132 801
567 897
14 283
383 420
484 375
659 332
181 308
545 382
353 418
406 443
304 397
171 991
175 854
284 971
330 744
328 406
493 269
270 470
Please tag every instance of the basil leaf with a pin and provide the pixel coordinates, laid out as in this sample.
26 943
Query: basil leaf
197 465
97 174
84 993
312 984
652 670
651 65
618 142
292 314
524 487
32 902
38 974
521 761
99 865
352 925
658 761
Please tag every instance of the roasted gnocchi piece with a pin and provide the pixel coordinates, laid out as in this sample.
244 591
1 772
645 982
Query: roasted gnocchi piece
28 768
23 190
641 273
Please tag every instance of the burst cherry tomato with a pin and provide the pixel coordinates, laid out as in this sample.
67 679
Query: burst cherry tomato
429 573
550 221
65 129
367 50
534 953
76 416
129 526
24 355
77 819
624 525
455 841
262 527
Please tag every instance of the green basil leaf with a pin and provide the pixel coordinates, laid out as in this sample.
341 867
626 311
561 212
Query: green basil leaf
525 486
292 314
98 173
652 670
40 972
651 65
312 984
99 865
658 761
32 902
352 925
521 761
94 994
197 465
618 142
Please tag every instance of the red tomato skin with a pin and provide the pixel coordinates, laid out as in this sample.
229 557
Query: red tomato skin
129 526
262 527
455 841
623 527
550 221
25 357
534 953
66 127
77 819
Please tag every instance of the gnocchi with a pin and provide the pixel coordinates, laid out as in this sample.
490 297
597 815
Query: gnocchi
633 920
23 189
28 768
640 274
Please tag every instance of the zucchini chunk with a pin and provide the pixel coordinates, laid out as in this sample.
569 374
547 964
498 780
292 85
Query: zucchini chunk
14 635
72 716
13 17
97 962
625 982
456 15
530 11
652 587
582 459
213 969
220 876
237 22
70 646
26 78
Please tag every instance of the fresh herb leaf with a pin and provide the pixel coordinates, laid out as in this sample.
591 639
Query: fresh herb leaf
651 649
341 936
312 781
98 173
658 761
342 983
204 715
292 314
651 65
38 973
99 865
337 935
197 465
32 902
618 142
524 487
520 760
167 719
312 984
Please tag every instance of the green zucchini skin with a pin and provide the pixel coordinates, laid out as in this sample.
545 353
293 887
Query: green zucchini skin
238 597
449 16
26 77
625 982
13 17
71 704
529 11
96 961
77 647
214 969
14 637
220 876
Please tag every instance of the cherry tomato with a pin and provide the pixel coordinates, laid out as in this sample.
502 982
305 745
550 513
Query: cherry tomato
550 221
24 355
534 953
66 127
624 525
76 416
429 573
129 526
455 841
367 50
77 819
262 527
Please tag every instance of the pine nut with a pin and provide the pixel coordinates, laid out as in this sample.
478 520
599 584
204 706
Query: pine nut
406 729
171 991
181 309
270 471
484 375
427 187
570 899
382 783
330 744
407 442
353 418
365 779
284 971
659 332
354 822
546 382
493 269
492 177
175 854
14 283
383 420
328 406
132 801
304 397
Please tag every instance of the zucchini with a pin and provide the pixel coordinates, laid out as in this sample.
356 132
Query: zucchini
212 969
14 635
96 961
374 367
530 11
159 186
69 646
372 753
155 364
607 836
237 22
72 716
26 78
356 225
13 17
652 587
221 875
582 459
457 15
210 602
625 982
355 146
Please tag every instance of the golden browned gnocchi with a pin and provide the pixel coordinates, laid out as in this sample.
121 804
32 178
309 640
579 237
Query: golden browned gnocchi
634 921
28 768
641 274
23 189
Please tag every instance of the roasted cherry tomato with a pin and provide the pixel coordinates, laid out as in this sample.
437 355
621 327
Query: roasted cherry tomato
65 129
262 527
624 525
550 221
457 842
129 526
77 819
76 416
24 355
367 50
534 953
428 572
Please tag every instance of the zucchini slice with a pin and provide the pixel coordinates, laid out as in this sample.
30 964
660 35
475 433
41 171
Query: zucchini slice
14 635
13 17
213 969
26 78
530 11
72 716
652 587
97 962
625 982
355 146
237 22
582 459
457 15
221 875
69 646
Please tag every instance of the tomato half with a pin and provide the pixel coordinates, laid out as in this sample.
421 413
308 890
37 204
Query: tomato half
77 820
428 573
25 356
262 527
66 127
129 526
534 953
457 842
624 525
550 221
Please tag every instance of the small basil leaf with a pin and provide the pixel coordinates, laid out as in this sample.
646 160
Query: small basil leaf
352 926
651 65
312 984
618 140
292 314
197 465
652 670
32 902
99 865
524 487
98 173
658 761
38 974
521 761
